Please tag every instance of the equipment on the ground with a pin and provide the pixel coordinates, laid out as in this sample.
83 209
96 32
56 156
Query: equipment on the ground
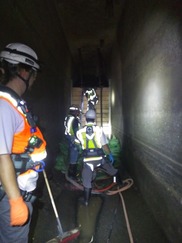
63 237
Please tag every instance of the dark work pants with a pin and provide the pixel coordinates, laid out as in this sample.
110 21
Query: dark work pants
15 234
89 167
73 151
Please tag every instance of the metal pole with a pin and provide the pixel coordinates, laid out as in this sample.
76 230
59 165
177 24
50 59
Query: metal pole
100 83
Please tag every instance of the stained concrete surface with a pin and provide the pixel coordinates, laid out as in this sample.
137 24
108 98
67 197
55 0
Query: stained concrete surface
104 218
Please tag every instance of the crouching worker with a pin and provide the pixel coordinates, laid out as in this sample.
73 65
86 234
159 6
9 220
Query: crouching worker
95 146
21 143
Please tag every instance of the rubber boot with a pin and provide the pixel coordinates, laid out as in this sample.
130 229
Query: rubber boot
87 194
72 171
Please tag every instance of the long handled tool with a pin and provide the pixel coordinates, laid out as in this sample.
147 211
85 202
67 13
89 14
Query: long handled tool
63 237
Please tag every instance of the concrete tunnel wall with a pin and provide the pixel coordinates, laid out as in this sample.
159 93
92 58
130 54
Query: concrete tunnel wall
33 23
146 107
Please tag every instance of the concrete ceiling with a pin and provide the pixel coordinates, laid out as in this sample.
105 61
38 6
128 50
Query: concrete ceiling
90 28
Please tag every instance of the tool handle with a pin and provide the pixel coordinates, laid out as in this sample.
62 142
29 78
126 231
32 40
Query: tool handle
60 229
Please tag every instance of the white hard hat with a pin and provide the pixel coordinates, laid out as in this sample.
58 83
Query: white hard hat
90 114
74 108
19 53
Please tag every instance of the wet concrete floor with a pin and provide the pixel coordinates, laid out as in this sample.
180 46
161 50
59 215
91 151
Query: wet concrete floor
103 219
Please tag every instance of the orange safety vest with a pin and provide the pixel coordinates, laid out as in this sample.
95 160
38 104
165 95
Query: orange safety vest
20 141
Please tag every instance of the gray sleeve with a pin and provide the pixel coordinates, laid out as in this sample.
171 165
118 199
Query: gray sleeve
11 122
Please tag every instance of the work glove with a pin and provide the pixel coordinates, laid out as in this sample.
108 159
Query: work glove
111 159
18 211
27 181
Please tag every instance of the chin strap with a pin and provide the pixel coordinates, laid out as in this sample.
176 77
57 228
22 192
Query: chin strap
26 81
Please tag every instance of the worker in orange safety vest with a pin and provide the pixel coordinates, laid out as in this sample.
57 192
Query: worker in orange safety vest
22 145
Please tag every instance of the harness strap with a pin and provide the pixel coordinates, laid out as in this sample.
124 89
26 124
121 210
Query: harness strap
28 196
87 141
22 162
21 103
11 92
90 136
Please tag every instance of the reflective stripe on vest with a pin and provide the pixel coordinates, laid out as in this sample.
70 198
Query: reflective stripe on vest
68 125
92 159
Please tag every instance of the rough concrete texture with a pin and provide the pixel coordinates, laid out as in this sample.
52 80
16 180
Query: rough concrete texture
150 42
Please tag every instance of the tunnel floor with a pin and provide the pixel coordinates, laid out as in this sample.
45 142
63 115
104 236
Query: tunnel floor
103 218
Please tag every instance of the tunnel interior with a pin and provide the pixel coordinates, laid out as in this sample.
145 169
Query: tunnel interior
134 49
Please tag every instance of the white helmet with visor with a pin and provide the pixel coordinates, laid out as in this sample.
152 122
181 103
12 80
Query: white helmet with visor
16 53
90 114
